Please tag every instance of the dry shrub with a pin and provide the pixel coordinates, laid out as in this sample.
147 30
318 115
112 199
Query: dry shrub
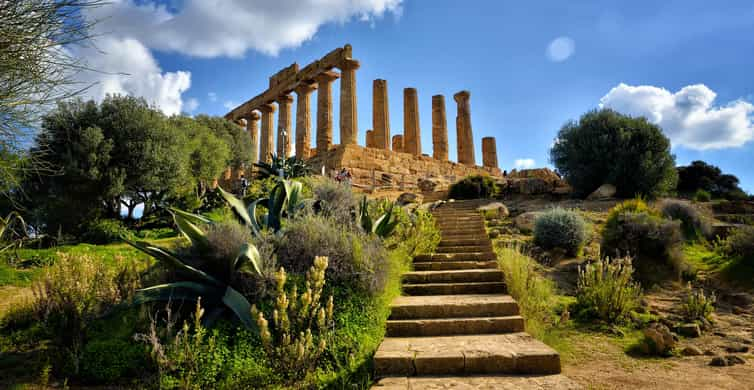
606 291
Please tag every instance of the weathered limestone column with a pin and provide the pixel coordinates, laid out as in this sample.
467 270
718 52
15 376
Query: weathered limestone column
370 139
465 138
380 114
252 126
304 121
411 132
439 129
398 143
348 115
489 152
324 110
284 126
266 144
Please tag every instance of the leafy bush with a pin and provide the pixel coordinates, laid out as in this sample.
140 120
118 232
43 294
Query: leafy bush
693 224
741 243
415 233
633 229
698 306
473 187
301 323
104 231
605 146
700 176
534 293
72 293
111 360
702 196
605 290
560 228
354 257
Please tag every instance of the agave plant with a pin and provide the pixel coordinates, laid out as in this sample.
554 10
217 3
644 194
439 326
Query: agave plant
285 200
291 167
214 289
383 226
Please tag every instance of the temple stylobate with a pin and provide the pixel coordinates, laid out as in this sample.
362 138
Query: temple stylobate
396 150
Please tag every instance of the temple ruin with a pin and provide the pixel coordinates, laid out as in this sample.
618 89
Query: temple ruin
392 159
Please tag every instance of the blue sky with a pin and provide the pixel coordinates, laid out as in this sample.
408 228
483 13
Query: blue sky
687 65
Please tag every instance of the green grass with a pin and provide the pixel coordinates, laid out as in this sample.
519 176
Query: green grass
735 270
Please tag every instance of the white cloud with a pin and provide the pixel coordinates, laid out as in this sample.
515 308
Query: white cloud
524 163
208 29
688 117
212 96
560 49
229 105
191 105
125 66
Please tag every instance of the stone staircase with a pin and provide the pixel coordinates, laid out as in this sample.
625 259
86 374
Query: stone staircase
455 326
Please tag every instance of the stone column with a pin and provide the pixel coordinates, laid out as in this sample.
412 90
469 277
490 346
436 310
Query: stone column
266 144
465 138
370 139
489 152
252 126
304 121
411 132
439 129
380 114
398 143
324 110
284 126
348 115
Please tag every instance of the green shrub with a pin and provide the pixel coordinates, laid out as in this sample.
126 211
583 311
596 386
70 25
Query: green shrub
741 243
693 224
112 360
560 228
633 229
473 187
336 201
702 196
534 293
605 146
104 231
698 306
605 291
354 257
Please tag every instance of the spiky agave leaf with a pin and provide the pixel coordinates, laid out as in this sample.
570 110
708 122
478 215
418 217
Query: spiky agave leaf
247 260
239 305
179 291
385 224
237 205
189 230
172 261
364 219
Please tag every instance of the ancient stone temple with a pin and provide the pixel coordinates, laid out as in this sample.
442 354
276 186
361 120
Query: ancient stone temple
396 158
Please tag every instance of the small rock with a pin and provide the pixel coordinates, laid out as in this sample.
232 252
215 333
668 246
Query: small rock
738 311
495 208
721 334
733 359
737 348
738 299
525 221
605 191
689 330
409 197
494 233
718 361
658 340
691 351
709 352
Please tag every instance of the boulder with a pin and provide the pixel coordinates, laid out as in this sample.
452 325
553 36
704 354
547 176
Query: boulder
658 340
433 184
737 348
494 210
689 330
525 221
494 233
605 191
692 351
409 197
730 360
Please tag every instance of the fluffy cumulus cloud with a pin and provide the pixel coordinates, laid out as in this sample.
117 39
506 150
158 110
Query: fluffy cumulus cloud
129 30
689 116
524 163
560 49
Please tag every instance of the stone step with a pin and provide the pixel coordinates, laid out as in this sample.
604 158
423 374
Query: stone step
447 265
453 276
453 306
462 225
464 248
444 242
454 326
510 353
454 288
474 256
486 382
463 236
471 232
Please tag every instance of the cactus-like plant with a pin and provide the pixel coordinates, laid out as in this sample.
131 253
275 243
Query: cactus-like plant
291 167
285 200
383 226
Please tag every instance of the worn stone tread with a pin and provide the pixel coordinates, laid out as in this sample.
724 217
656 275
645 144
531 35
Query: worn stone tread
423 327
454 276
471 256
455 288
453 306
504 382
511 353
449 265
464 249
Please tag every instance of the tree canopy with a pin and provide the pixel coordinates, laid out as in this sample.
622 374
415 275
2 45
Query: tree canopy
605 146
702 176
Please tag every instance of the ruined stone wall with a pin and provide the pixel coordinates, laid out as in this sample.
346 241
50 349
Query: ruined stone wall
398 167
